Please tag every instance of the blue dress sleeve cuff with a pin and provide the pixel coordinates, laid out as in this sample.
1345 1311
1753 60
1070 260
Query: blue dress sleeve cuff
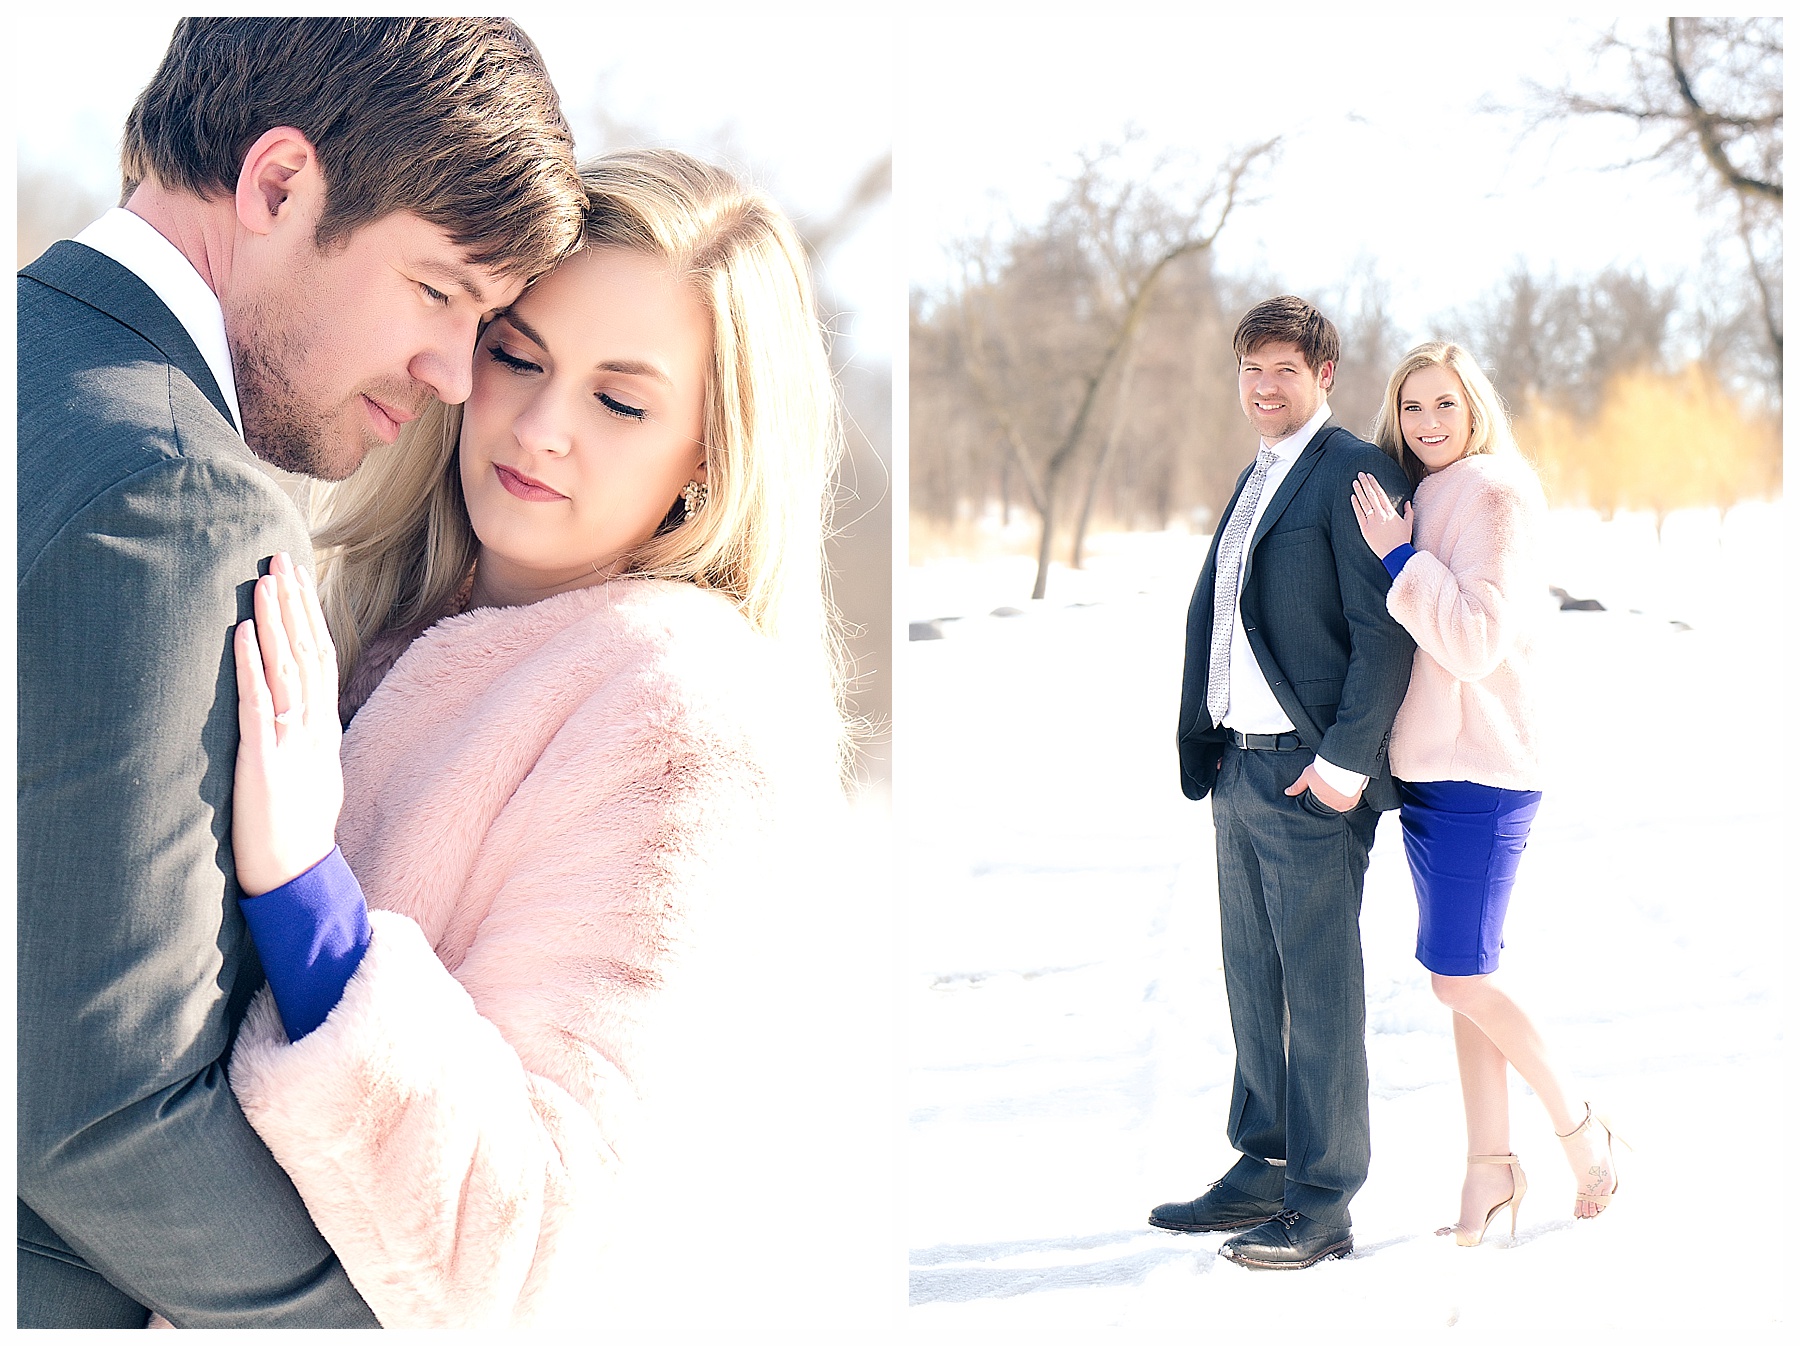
310 934
1396 560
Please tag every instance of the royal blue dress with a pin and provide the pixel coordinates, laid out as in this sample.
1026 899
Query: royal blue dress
1463 844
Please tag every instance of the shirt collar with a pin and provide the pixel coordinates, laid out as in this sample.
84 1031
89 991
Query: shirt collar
1291 447
134 244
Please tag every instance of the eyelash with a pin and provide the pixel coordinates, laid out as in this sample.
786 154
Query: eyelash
506 359
501 356
432 296
620 409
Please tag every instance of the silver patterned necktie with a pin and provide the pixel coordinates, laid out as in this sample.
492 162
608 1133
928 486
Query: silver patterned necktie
1226 574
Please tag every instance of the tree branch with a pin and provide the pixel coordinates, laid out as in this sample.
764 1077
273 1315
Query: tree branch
995 405
1140 301
1706 130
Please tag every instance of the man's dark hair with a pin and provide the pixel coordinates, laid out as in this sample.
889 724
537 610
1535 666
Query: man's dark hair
454 120
1288 318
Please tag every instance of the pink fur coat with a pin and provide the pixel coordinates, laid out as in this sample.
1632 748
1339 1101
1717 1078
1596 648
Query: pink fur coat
1471 598
548 807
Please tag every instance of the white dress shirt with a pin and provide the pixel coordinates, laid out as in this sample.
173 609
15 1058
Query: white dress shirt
1253 708
134 244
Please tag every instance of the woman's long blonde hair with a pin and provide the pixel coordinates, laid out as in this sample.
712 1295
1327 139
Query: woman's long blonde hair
1490 430
395 543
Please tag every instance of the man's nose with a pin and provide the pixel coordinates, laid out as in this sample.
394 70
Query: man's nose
447 367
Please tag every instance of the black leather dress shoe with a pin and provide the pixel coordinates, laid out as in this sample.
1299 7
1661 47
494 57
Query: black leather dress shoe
1287 1242
1221 1206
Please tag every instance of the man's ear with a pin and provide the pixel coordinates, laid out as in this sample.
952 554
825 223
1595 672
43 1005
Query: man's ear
280 180
1327 372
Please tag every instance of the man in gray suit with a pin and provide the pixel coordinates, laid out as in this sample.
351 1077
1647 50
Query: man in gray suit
318 214
1294 673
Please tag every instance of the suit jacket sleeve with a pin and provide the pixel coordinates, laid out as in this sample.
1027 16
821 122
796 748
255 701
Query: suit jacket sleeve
1380 649
1198 744
134 964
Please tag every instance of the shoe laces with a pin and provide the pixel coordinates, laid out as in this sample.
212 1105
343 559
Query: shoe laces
1288 1218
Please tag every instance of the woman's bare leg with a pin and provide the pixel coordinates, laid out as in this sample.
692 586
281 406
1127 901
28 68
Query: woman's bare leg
1496 1017
1483 1071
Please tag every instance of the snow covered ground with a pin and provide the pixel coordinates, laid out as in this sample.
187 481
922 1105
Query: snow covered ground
1070 1053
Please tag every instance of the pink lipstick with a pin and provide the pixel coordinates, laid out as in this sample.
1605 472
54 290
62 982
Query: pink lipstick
517 483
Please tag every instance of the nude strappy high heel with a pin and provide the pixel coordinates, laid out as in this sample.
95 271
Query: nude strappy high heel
1470 1239
1602 1199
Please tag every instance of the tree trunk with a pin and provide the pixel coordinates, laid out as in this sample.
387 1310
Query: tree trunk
1043 557
1771 305
1121 403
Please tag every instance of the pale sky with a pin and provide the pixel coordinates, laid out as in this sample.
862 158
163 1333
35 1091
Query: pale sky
802 95
1386 162
1386 166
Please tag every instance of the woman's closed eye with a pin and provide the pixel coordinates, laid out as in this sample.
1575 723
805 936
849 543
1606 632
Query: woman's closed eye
518 364
506 359
621 409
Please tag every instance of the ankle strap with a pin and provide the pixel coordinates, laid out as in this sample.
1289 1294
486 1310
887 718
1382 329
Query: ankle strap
1493 1159
1586 1117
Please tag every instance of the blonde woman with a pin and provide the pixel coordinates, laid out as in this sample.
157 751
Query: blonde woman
1465 559
592 740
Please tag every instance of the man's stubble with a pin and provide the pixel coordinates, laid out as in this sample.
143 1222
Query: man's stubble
282 425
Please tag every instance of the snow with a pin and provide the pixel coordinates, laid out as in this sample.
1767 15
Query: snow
1070 1056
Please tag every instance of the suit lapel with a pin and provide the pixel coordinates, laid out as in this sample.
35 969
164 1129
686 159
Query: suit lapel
1290 487
96 280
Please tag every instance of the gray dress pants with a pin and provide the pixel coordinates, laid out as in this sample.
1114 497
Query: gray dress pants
1290 898
57 1293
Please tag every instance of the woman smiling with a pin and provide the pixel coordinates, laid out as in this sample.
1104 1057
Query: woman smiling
1467 586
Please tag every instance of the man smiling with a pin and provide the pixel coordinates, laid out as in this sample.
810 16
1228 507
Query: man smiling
318 214
1294 673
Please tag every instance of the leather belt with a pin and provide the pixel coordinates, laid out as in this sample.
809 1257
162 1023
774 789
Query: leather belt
1266 742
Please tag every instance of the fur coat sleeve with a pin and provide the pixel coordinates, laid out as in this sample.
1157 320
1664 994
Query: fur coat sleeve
1465 593
542 805
1471 597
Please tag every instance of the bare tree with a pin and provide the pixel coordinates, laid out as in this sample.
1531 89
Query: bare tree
1706 94
1561 341
1047 320
1371 345
1618 398
1108 448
